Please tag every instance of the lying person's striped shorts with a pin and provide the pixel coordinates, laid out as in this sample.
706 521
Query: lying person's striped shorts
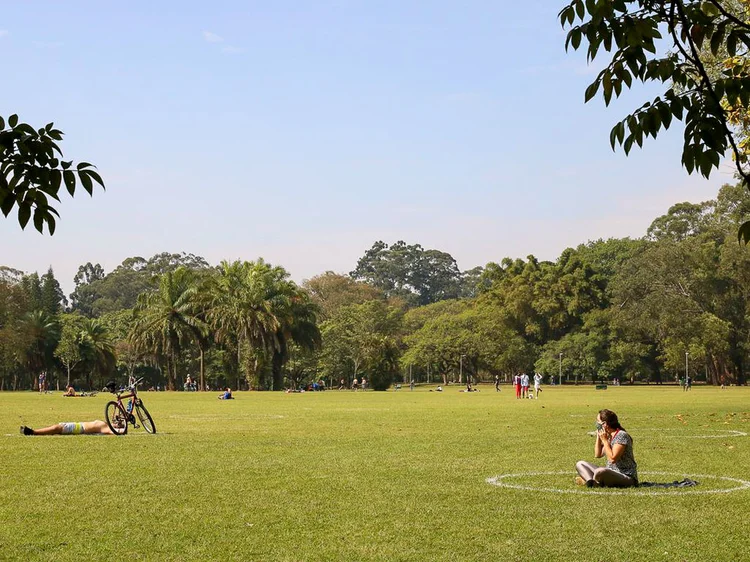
72 428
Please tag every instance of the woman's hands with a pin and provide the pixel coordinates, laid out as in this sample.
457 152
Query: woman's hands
603 448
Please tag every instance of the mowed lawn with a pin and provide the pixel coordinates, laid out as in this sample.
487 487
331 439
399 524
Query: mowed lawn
395 475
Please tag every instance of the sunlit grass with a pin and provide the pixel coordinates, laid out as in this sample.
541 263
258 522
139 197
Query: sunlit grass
371 476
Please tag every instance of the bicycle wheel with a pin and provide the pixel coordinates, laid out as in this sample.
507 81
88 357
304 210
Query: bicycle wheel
116 418
146 419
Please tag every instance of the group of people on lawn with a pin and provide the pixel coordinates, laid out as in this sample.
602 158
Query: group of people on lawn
521 384
357 384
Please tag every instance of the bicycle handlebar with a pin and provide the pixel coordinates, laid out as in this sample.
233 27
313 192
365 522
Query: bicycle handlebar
130 387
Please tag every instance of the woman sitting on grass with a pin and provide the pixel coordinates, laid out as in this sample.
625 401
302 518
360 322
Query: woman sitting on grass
227 395
616 444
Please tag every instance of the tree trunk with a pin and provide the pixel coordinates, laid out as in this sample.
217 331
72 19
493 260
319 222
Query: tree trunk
68 377
239 362
173 375
170 383
203 385
277 378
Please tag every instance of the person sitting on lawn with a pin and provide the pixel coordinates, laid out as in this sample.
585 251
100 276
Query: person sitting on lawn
616 444
96 427
227 395
70 391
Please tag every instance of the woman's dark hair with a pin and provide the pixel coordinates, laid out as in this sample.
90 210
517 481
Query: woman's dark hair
611 418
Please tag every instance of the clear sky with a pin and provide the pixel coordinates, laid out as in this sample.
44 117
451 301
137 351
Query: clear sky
302 132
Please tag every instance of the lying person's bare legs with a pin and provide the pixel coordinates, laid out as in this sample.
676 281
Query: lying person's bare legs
96 427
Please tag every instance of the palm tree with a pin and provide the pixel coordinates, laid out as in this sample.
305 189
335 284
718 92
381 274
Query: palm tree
42 332
296 316
168 319
237 309
97 348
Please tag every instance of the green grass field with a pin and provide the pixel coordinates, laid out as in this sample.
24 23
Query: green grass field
373 476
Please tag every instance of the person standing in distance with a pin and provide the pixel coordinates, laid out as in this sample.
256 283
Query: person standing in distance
537 384
524 386
517 384
497 383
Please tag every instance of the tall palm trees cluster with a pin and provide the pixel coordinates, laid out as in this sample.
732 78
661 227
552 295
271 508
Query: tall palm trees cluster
71 339
249 312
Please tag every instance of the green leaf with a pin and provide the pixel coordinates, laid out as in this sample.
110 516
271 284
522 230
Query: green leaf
24 214
13 121
719 88
7 204
55 179
86 181
591 91
627 77
580 9
628 145
613 136
716 39
2 123
688 158
607 87
732 44
709 9
70 181
743 235
51 224
705 165
573 39
666 115
96 177
697 32
39 219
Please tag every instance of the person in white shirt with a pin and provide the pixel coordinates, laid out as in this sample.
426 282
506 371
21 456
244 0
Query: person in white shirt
524 386
537 384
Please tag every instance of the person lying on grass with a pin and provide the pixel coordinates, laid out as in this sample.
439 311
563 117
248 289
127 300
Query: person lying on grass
616 444
96 427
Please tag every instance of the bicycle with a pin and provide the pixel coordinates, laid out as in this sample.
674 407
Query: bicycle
119 415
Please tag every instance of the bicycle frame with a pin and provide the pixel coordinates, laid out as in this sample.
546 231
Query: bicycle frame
133 411
131 391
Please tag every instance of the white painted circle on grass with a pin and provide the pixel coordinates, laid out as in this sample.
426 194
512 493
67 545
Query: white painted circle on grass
720 433
503 481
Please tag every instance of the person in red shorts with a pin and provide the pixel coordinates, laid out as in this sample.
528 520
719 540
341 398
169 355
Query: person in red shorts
517 384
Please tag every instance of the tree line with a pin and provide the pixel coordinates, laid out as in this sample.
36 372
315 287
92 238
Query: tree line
634 309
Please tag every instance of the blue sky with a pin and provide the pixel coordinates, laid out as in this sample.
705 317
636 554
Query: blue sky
302 132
